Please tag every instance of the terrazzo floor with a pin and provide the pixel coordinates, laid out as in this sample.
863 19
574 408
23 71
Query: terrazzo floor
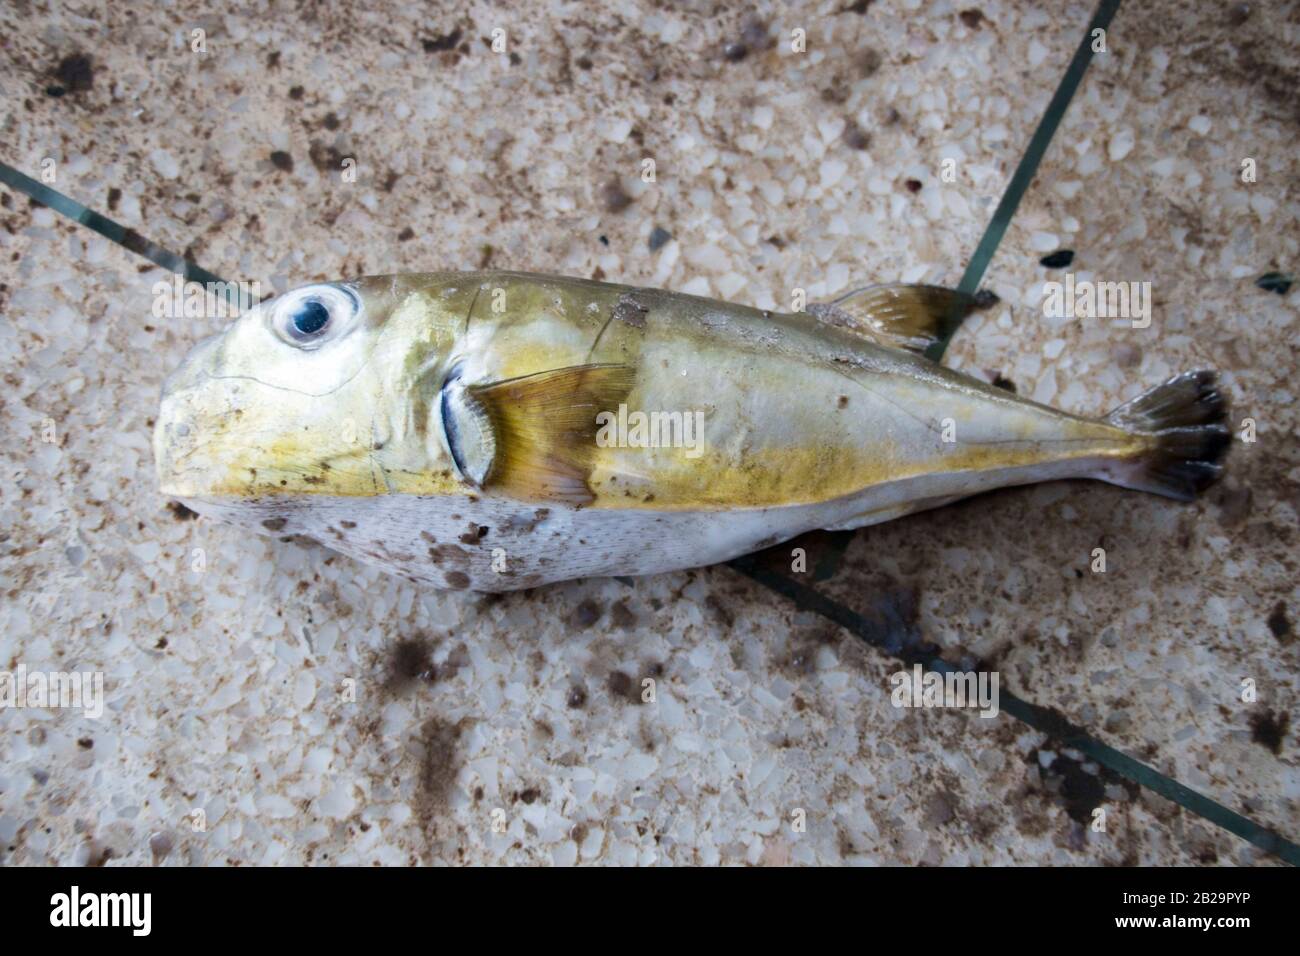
270 702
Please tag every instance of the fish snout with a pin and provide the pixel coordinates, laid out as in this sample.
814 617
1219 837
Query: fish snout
190 415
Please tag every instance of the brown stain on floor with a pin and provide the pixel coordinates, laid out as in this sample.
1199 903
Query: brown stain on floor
435 750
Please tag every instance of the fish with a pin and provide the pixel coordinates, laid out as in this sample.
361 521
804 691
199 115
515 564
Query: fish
494 430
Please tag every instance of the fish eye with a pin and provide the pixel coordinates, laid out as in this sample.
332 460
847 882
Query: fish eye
310 316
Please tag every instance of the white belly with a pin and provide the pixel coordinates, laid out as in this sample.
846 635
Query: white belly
493 544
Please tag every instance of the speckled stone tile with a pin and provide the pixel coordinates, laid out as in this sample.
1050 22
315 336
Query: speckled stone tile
306 708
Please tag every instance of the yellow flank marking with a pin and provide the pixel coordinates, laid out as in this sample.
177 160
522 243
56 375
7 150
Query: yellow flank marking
355 480
804 475
528 357
303 464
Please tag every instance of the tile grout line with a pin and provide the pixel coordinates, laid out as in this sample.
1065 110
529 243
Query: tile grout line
124 236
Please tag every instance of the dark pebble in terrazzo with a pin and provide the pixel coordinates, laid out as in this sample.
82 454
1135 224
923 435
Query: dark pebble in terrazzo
735 52
76 73
659 238
180 512
585 614
1275 282
622 687
282 161
1057 260
1269 729
854 137
446 42
621 615
755 35
615 197
869 62
1278 622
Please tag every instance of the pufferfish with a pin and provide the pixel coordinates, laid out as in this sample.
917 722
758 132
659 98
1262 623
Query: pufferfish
499 430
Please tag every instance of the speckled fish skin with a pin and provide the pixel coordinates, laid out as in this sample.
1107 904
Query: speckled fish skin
805 425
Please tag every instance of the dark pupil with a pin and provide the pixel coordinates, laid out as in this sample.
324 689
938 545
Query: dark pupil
310 317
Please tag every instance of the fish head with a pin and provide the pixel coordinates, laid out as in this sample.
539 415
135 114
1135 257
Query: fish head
326 389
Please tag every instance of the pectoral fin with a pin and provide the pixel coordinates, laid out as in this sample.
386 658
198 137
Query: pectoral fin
903 316
534 437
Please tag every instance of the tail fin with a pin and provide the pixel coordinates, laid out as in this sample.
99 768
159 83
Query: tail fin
1186 418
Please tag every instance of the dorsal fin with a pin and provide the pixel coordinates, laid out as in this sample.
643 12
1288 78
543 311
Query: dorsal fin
903 316
540 430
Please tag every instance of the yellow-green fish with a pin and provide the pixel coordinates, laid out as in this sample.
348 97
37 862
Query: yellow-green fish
499 430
